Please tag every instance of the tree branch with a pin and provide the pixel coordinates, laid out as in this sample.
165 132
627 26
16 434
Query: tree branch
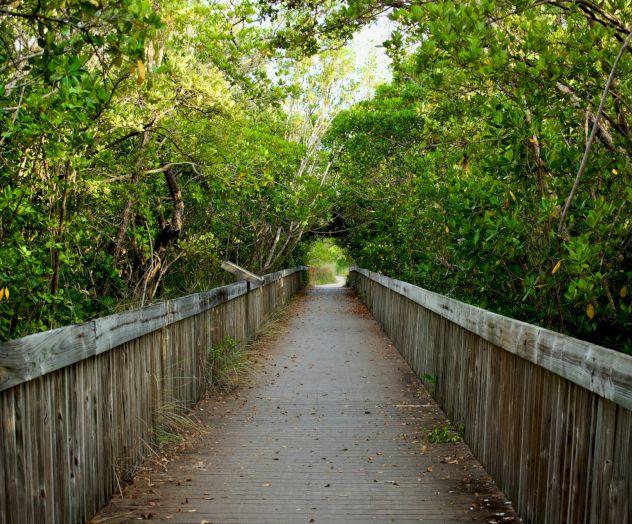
591 138
166 167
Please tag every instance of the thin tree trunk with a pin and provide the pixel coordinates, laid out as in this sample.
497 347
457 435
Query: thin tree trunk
154 270
593 134
277 237
541 171
55 261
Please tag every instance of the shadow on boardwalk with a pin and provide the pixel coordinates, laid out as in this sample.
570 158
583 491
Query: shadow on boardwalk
332 428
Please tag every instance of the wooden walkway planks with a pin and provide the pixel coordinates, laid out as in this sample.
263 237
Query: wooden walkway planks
331 429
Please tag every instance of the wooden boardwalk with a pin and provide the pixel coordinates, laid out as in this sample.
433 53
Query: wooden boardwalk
332 428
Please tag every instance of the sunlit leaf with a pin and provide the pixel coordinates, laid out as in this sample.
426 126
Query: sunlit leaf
590 311
141 72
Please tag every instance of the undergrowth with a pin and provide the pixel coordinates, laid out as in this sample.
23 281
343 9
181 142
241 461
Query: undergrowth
445 434
231 363
321 275
172 421
227 365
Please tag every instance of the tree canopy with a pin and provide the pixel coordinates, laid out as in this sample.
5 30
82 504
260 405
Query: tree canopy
458 173
144 142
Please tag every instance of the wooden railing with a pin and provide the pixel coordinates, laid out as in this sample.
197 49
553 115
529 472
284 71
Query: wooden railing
79 404
549 416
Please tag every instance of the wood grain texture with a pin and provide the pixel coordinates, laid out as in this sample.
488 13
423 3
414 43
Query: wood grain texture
598 369
79 404
328 429
547 415
30 357
241 273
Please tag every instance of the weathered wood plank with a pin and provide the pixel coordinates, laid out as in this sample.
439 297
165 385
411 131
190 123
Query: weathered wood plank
8 445
23 454
30 357
536 411
358 375
68 434
598 369
45 444
620 493
241 273
5 420
60 383
117 329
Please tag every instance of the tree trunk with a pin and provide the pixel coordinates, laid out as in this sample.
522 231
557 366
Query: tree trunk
272 250
154 269
55 261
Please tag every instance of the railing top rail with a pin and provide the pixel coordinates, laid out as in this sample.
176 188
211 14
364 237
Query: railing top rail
601 370
26 358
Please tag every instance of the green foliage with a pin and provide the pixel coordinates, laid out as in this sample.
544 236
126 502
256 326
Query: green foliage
430 378
322 275
326 252
445 434
141 145
60 66
165 437
453 176
326 260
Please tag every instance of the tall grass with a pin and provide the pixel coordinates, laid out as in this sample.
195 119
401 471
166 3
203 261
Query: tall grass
227 365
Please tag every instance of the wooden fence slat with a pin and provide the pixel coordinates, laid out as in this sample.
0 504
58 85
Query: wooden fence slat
549 416
5 434
78 404
598 369
8 445
30 357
